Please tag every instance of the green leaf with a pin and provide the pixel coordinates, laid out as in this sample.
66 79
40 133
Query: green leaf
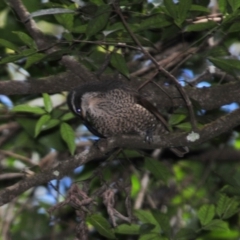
218 51
217 225
183 8
80 28
134 153
199 8
186 126
146 228
57 113
91 7
234 27
99 21
26 39
136 185
185 234
226 207
172 8
229 179
47 102
28 52
11 58
119 63
65 20
67 116
206 214
176 118
144 41
68 136
56 55
151 236
52 140
33 59
159 170
43 119
235 4
51 124
156 21
15 57
68 36
198 27
222 4
101 225
132 229
28 125
29 109
229 18
147 217
228 65
8 44
115 27
97 2
163 221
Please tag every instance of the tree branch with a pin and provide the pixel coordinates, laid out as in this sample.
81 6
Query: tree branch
207 98
29 24
63 169
209 131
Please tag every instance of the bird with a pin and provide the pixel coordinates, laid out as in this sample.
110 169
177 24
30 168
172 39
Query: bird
109 108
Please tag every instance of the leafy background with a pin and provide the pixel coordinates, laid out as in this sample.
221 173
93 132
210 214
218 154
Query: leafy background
196 197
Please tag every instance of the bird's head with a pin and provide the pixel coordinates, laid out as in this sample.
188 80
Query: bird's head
74 100
82 100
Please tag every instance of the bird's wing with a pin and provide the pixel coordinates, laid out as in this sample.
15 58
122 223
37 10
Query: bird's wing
179 151
151 108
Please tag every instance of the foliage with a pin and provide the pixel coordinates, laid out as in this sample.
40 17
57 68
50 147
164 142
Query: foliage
196 197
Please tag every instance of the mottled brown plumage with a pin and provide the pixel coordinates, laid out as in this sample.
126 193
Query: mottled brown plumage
112 108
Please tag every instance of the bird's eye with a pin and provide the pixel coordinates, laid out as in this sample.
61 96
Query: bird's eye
78 111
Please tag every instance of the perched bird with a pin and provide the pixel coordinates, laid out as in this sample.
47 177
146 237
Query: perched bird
110 108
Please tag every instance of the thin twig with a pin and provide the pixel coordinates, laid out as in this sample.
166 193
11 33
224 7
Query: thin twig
162 89
18 156
149 80
123 45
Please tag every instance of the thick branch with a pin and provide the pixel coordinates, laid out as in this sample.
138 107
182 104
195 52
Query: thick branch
208 98
63 169
209 131
52 84
223 155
